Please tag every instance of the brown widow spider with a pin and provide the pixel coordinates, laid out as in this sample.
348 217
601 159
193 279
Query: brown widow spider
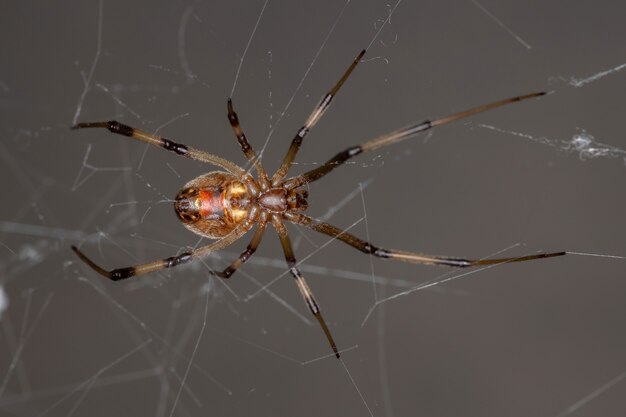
225 205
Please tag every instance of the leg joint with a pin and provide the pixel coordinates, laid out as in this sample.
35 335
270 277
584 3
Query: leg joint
227 273
381 253
247 254
178 148
301 134
243 142
354 151
312 305
119 128
177 260
122 273
373 250
461 263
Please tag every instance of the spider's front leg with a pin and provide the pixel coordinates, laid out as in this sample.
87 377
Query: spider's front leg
397 255
305 291
395 137
314 117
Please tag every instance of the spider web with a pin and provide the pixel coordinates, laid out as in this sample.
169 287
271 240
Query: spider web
541 338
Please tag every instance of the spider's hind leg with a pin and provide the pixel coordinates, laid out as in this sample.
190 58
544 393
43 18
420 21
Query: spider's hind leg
131 271
164 143
141 269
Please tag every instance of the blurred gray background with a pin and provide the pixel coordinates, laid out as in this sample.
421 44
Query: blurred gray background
545 338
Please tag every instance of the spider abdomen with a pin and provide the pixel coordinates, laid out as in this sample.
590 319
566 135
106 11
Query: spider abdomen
213 204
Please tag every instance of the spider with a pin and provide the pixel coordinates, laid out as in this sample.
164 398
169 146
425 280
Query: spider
225 205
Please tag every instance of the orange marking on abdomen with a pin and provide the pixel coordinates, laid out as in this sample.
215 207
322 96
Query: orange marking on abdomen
211 203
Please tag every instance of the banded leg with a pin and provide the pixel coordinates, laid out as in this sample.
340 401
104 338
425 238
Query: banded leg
167 144
131 271
416 258
394 137
314 117
305 291
246 148
245 255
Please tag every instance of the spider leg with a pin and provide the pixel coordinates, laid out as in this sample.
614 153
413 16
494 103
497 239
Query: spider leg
167 144
314 117
416 258
245 255
305 291
131 271
245 146
394 137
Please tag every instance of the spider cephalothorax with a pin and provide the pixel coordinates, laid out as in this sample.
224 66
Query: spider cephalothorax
280 200
225 205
